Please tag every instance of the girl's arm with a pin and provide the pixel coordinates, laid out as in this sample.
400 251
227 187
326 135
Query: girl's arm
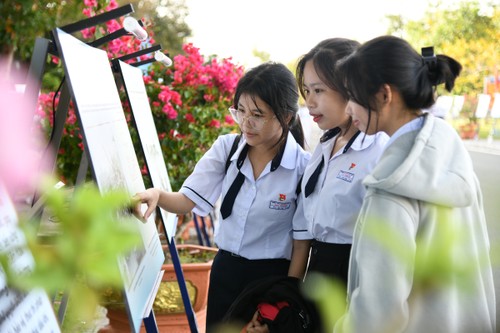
300 256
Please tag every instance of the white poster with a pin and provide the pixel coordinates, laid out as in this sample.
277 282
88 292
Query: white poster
143 117
113 160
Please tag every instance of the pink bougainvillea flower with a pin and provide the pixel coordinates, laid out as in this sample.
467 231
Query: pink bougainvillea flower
169 111
185 98
229 120
209 97
214 123
189 117
87 12
112 5
88 33
144 170
90 3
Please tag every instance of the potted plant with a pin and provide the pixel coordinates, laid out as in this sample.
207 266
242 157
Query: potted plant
468 127
196 262
468 130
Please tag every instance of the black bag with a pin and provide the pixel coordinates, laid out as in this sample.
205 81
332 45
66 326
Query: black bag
294 312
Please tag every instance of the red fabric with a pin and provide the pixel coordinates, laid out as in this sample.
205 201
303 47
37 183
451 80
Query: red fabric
270 311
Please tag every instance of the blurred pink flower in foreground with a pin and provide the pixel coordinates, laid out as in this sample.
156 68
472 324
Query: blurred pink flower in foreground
21 143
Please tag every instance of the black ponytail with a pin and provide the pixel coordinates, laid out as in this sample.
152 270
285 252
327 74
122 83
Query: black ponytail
392 60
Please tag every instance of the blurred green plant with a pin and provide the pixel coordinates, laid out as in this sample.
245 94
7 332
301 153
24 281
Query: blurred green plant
328 294
80 258
438 264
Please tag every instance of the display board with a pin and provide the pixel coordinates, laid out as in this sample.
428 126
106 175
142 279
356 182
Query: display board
495 109
20 312
457 106
113 161
139 103
483 105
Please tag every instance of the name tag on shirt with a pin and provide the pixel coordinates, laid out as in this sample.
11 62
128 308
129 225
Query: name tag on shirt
345 176
277 205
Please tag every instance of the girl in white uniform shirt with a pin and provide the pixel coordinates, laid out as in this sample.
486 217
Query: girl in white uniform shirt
332 192
258 190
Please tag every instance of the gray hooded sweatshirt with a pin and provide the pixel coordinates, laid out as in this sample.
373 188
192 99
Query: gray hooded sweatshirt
420 255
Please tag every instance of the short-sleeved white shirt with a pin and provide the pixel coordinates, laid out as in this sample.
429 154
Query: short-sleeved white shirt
260 226
332 208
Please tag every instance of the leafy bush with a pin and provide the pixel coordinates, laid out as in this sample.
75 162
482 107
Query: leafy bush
189 104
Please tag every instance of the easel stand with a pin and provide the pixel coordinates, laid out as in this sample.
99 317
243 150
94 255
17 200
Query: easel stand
44 47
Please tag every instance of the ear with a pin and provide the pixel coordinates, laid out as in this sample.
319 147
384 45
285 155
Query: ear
384 95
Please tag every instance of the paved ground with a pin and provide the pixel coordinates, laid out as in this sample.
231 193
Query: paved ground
486 158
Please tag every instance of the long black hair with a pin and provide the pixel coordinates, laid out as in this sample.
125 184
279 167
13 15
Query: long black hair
275 85
324 56
393 61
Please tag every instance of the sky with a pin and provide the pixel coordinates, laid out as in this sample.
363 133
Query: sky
286 29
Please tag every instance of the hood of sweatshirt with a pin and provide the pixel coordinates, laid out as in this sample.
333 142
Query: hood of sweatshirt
430 164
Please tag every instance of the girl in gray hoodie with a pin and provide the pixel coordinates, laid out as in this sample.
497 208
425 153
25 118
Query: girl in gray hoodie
420 254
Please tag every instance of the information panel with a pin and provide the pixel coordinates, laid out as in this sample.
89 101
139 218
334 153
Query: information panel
143 117
113 161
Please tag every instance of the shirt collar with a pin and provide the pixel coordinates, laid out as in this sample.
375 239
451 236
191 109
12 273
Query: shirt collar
362 141
414 125
289 160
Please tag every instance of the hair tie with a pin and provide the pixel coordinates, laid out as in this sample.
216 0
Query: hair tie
429 58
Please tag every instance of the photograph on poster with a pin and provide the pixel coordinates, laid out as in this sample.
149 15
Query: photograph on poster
112 157
148 135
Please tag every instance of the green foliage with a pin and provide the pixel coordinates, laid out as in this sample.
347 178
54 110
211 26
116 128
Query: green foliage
17 33
26 20
94 229
191 255
23 21
263 56
437 263
328 294
165 20
189 103
467 32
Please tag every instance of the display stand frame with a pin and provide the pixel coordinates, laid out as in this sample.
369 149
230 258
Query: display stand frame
43 48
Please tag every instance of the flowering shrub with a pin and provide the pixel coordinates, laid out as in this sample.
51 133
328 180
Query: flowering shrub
189 104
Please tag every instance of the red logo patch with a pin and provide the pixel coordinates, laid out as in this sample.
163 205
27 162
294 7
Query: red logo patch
282 197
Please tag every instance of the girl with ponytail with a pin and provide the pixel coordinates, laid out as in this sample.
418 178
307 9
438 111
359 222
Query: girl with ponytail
420 255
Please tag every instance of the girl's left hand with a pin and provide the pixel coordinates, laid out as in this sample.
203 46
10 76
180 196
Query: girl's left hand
255 326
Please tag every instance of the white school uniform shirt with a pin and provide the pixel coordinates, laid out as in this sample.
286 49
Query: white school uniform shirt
332 208
260 225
